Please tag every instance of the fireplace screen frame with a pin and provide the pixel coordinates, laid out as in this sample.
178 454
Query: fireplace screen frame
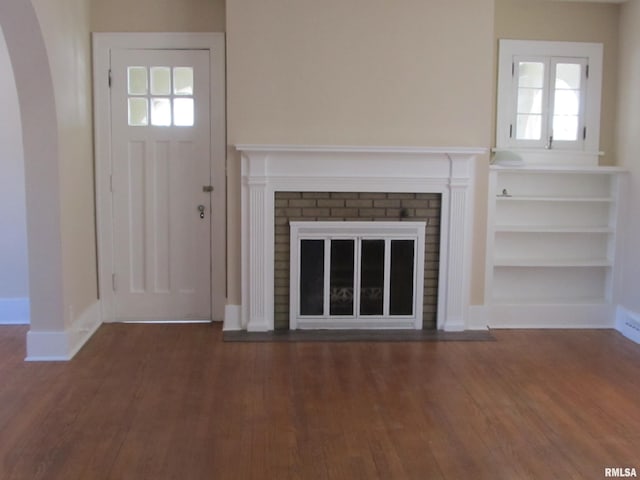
357 231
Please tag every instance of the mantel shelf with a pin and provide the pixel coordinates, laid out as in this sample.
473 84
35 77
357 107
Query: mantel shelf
360 149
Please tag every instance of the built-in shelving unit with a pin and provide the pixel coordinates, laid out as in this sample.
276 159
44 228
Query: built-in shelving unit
551 238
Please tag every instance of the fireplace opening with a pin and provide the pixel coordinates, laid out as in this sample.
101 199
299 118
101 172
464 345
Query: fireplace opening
358 208
365 277
356 274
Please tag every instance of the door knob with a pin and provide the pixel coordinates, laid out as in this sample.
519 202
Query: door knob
201 210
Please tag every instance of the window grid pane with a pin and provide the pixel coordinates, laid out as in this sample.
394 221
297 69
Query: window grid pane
568 75
183 81
531 74
565 127
138 112
160 81
137 83
566 102
160 112
530 100
183 112
529 127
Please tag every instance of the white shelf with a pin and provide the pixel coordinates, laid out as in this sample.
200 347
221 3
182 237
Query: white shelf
503 198
550 229
552 238
570 169
551 301
551 262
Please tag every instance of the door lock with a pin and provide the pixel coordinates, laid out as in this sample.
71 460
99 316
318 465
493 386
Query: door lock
201 210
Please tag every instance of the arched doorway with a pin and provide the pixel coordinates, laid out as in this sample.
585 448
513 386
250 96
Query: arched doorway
14 288
34 85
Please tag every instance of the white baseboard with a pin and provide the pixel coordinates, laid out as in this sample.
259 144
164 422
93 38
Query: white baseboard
454 324
541 316
481 317
628 323
258 325
477 317
232 318
15 311
63 345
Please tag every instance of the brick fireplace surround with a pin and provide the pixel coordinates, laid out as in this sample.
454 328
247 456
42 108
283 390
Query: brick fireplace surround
355 206
271 173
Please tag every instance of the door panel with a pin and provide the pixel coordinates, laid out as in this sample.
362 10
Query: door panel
160 162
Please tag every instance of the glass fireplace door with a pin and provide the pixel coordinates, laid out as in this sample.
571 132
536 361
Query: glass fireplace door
357 277
356 274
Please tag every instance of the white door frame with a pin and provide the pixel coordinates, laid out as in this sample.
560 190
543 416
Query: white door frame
103 43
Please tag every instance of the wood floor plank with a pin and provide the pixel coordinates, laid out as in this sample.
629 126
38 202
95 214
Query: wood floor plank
177 402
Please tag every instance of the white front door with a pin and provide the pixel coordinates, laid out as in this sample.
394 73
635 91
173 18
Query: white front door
161 171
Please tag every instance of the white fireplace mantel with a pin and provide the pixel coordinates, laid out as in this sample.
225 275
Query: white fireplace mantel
267 169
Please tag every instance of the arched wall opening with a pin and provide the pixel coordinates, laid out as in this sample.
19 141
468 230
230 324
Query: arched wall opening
14 278
28 54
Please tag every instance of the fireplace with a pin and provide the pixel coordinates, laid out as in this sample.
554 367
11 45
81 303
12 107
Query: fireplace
448 172
356 274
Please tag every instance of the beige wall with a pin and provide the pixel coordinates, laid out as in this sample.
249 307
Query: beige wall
65 28
629 148
357 72
158 16
570 21
13 222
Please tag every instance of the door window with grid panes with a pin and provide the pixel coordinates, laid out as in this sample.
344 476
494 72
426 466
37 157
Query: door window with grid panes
160 96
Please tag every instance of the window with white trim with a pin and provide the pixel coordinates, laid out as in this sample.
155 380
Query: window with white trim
549 95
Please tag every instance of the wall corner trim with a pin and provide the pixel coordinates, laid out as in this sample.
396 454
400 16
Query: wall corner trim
628 323
60 346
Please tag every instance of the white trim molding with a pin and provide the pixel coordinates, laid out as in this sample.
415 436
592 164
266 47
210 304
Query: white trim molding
599 315
628 323
267 169
58 346
15 311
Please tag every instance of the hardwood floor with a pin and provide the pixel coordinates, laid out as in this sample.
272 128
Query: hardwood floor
175 402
